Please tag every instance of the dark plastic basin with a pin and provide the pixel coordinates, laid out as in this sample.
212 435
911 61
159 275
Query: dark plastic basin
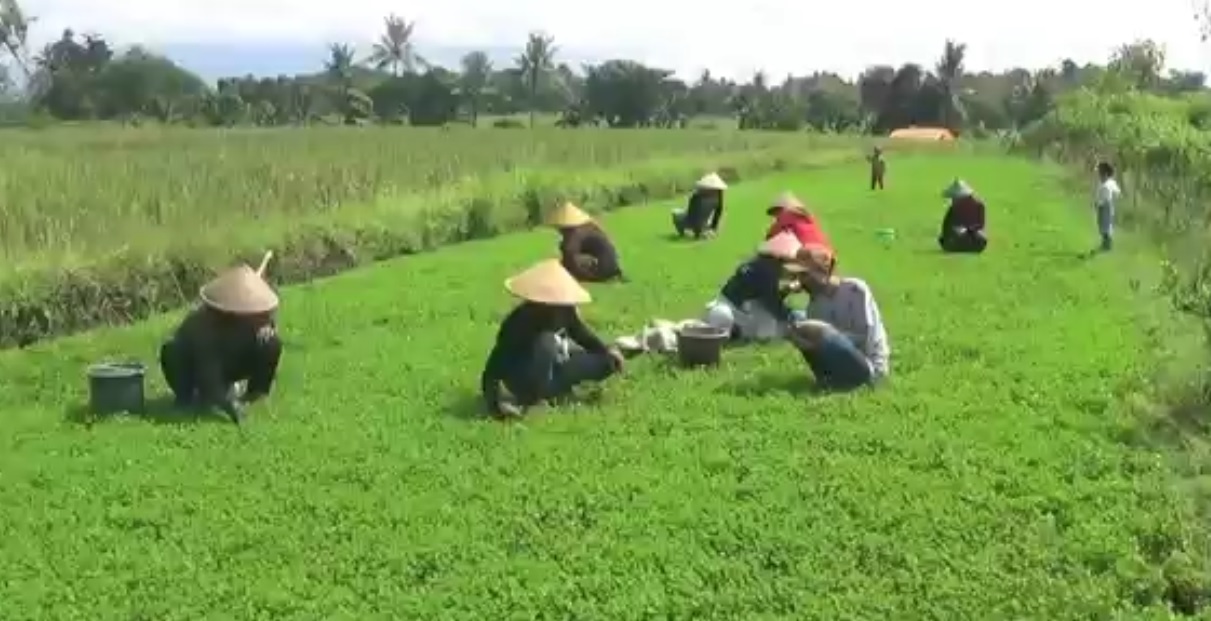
116 387
700 346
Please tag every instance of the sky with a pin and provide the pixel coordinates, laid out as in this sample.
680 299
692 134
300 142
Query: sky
228 37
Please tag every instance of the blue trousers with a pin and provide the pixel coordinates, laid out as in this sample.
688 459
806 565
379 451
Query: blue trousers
837 363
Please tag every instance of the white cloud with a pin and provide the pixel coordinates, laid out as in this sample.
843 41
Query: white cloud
735 39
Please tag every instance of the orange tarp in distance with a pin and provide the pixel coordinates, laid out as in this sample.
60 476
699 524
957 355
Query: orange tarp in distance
923 133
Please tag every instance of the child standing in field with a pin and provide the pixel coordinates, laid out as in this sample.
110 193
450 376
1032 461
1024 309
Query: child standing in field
1104 201
878 168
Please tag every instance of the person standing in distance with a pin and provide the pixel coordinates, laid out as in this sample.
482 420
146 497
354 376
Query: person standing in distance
1104 202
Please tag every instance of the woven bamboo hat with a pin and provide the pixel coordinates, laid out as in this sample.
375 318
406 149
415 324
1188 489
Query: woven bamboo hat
816 260
784 245
789 202
711 181
548 282
957 189
240 291
568 215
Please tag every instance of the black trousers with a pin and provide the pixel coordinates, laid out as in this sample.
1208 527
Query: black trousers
257 363
545 376
963 240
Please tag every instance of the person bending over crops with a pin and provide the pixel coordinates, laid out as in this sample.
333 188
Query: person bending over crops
231 338
791 215
842 339
752 304
1104 202
587 251
878 168
533 357
963 224
702 215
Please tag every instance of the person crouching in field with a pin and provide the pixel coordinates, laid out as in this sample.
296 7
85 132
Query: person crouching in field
1104 201
963 224
533 357
792 216
842 339
702 215
878 168
752 304
587 251
231 338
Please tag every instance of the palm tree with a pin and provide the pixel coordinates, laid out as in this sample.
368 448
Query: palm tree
339 66
14 31
477 71
395 49
949 71
534 63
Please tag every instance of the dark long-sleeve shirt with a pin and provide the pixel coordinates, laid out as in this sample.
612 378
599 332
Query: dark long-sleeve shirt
589 240
966 212
703 212
516 339
758 279
215 343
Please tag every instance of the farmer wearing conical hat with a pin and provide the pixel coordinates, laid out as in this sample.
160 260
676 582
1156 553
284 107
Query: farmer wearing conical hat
963 224
842 339
588 254
790 214
752 304
702 215
533 357
230 338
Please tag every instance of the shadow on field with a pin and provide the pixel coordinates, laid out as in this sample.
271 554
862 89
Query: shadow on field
470 406
773 382
158 410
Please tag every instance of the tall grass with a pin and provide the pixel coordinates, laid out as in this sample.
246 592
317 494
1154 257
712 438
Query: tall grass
102 225
81 193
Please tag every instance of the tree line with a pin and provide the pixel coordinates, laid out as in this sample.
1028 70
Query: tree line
82 77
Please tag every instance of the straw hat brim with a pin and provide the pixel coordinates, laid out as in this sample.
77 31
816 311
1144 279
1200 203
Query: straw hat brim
568 215
711 182
240 291
817 260
548 282
958 189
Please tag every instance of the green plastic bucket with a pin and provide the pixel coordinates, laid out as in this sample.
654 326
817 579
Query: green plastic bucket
116 387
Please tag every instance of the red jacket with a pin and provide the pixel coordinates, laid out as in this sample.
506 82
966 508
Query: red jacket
804 227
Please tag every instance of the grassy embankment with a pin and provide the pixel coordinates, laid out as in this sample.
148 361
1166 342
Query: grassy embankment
989 480
103 226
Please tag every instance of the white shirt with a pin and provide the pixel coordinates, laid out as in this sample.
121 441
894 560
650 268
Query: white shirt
851 308
1107 194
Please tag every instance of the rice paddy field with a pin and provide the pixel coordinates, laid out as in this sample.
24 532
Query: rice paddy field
992 478
70 197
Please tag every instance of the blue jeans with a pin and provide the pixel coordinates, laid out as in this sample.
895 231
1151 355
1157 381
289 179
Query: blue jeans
837 363
547 376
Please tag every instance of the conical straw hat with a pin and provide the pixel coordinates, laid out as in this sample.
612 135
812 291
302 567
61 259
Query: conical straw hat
548 282
240 291
567 215
957 189
784 245
711 182
817 259
788 200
